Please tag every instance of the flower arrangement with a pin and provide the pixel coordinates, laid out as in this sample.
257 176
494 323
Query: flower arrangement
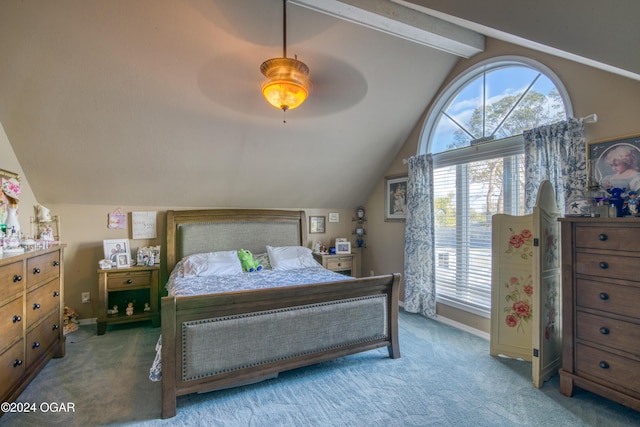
518 308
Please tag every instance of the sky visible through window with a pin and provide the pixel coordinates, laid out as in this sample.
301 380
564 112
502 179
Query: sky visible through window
498 90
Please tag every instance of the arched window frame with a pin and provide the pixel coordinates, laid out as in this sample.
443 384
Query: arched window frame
459 158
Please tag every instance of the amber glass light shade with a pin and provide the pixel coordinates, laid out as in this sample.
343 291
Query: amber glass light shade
287 84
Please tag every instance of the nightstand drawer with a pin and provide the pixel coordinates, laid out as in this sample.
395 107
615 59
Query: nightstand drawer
340 263
128 279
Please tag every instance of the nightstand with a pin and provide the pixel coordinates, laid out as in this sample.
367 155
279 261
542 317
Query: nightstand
121 286
346 264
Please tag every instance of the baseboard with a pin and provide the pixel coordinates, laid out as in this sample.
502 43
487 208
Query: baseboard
462 326
91 321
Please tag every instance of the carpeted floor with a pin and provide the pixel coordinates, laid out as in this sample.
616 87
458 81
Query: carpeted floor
445 377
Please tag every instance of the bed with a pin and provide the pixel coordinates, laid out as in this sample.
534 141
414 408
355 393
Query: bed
218 340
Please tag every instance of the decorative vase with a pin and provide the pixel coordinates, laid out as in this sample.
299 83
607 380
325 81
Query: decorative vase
12 220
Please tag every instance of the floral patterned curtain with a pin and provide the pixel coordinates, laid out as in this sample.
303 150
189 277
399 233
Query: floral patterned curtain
556 152
419 258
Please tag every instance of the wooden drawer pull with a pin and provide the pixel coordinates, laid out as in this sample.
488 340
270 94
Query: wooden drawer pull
604 365
603 265
36 306
604 296
17 278
36 270
17 318
56 294
56 263
35 345
17 363
604 331
603 237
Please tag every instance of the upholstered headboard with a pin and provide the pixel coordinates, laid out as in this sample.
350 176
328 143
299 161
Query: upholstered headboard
197 231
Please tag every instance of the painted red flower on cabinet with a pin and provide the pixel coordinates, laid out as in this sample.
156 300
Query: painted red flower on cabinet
518 308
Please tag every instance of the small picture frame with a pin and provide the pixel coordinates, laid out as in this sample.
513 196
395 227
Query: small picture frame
316 224
395 198
343 248
334 217
115 247
123 260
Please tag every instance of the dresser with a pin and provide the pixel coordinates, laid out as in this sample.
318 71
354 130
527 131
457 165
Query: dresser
600 297
31 309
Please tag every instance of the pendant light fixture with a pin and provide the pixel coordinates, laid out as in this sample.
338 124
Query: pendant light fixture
287 85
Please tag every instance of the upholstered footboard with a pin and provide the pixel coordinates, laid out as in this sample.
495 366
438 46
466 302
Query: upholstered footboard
216 341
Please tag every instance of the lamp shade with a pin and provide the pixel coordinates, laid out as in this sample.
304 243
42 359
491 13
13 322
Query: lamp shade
287 84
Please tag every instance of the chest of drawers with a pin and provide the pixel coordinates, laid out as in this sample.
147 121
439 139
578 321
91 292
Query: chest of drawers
600 297
31 308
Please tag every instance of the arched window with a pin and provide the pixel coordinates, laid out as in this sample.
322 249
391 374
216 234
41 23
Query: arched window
474 131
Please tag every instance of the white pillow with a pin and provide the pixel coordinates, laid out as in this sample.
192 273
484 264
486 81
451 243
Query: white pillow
212 264
290 257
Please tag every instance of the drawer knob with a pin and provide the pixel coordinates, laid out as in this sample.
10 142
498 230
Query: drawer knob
603 265
55 327
604 296
36 270
56 294
17 278
17 363
603 237
17 318
36 306
604 365
604 331
56 263
129 281
35 345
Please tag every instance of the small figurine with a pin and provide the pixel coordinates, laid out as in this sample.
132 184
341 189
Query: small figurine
632 203
47 234
114 310
617 200
129 310
146 307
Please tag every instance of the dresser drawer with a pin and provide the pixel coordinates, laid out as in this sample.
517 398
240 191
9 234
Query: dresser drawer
609 266
614 238
11 279
612 333
128 279
43 268
617 299
42 301
39 340
340 263
613 369
11 321
12 366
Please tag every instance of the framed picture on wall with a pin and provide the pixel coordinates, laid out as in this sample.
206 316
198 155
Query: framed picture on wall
113 248
615 163
316 224
395 198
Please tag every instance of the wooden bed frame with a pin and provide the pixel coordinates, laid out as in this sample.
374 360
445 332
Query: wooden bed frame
317 322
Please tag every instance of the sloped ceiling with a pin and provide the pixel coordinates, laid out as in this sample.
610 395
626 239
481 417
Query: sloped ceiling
157 102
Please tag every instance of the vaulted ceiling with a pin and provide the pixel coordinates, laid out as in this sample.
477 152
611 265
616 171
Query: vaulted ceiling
157 102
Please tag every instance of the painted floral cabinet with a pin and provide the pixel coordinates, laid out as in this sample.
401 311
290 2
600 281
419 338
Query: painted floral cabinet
526 287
